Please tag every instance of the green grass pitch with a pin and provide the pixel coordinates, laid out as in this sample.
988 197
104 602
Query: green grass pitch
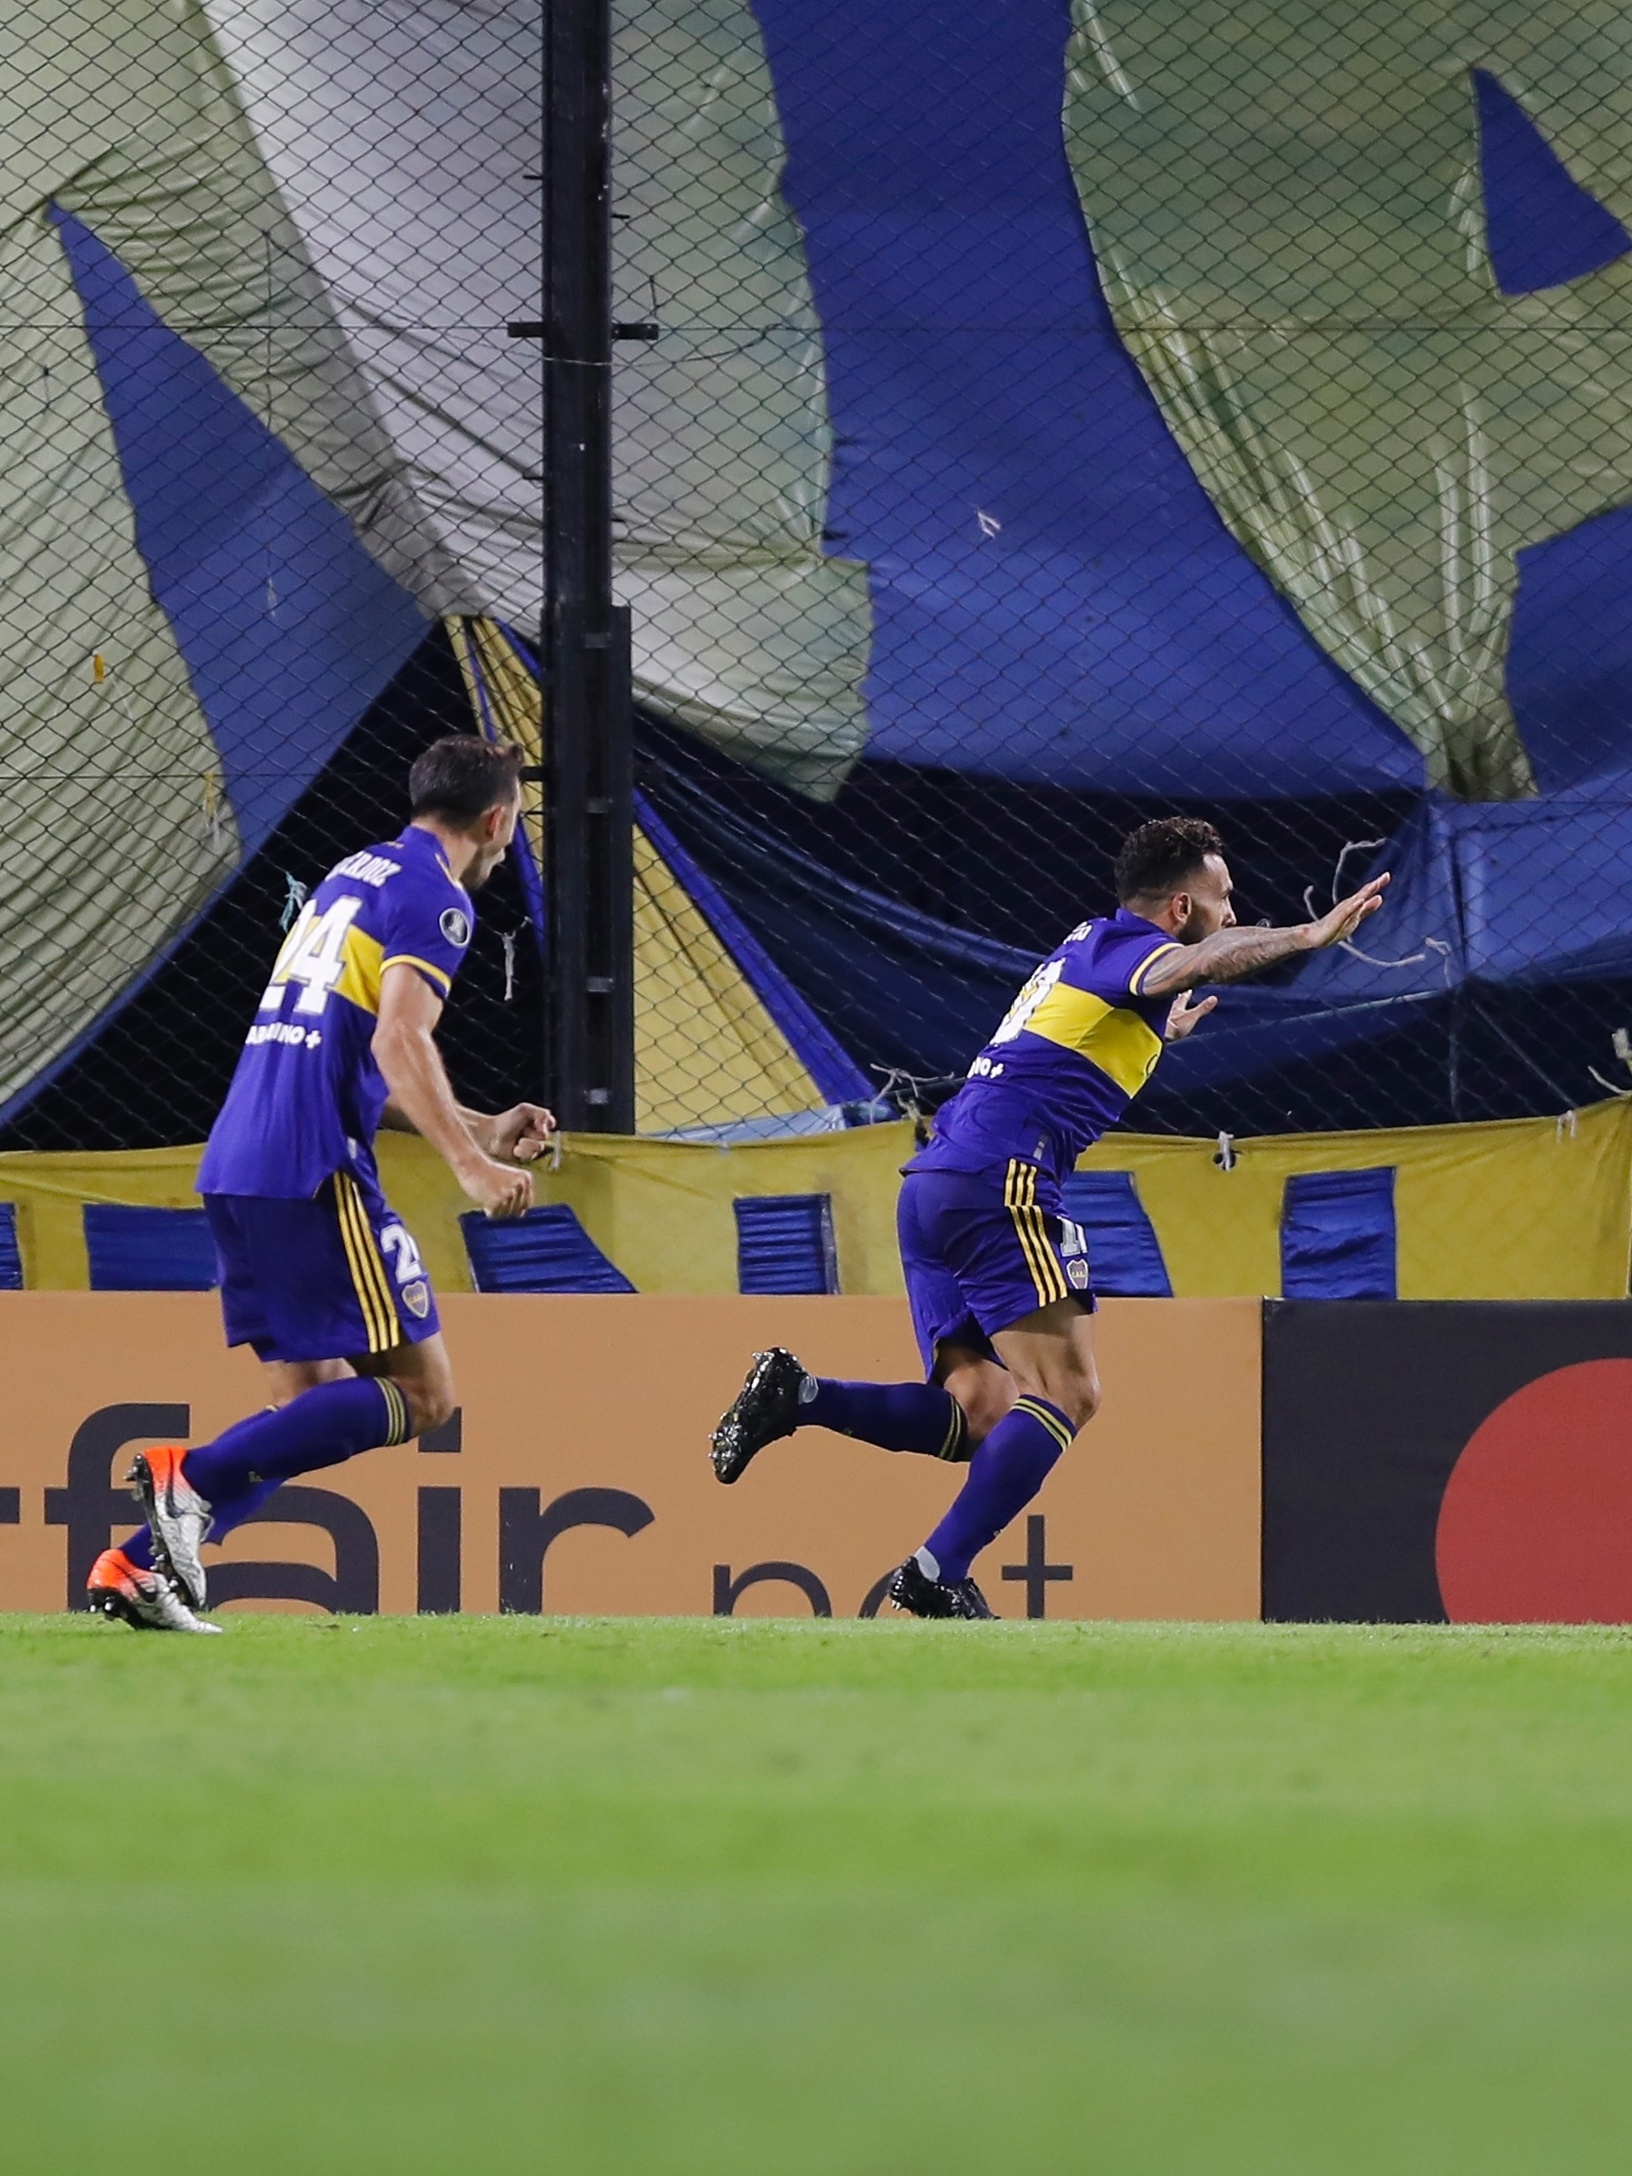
661 1898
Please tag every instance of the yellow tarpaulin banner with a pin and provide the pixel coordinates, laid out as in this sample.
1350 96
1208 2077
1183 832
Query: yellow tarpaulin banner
707 1051
1534 1208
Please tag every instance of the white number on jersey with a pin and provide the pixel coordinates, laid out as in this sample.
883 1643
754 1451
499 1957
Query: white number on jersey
397 1241
1014 1020
313 955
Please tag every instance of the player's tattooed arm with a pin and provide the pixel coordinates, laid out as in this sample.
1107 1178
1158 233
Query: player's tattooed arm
417 1084
1229 954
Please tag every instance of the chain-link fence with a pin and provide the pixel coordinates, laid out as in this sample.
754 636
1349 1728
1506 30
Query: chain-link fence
1051 421
1179 407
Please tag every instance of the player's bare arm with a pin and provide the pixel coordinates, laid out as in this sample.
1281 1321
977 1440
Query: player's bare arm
1230 954
406 1054
519 1135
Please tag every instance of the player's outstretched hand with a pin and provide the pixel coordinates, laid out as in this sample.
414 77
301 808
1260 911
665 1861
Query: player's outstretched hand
1183 1016
524 1133
1345 918
499 1190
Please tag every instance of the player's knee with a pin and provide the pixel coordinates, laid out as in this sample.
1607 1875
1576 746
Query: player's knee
429 1404
982 1389
1082 1401
983 1407
1076 1394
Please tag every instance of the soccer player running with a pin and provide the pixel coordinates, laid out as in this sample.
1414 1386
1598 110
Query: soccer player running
998 1281
317 1274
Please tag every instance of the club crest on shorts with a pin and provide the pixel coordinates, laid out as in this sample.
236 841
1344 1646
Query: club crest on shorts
416 1297
1077 1271
455 925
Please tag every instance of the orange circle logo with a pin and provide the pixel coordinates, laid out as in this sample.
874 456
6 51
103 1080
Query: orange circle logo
1536 1522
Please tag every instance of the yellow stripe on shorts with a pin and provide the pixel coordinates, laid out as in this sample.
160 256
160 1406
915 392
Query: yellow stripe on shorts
1019 1195
1059 1289
368 1275
1014 1188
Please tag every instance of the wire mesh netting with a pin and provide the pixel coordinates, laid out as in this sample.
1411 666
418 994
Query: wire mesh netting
1053 418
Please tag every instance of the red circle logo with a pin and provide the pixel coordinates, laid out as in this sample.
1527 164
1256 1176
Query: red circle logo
1536 1523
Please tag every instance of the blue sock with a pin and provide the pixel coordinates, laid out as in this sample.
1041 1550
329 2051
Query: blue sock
233 1510
895 1416
1004 1475
319 1428
139 1548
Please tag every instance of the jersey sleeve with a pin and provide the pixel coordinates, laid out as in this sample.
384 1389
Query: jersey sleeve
1114 964
1145 961
426 927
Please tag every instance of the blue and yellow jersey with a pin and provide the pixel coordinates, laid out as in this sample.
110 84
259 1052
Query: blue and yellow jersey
1073 1050
306 1099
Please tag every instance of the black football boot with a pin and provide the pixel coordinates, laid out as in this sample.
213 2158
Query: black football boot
912 1589
767 1408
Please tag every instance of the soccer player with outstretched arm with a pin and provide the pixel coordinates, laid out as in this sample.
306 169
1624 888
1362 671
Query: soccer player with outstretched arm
317 1274
998 1281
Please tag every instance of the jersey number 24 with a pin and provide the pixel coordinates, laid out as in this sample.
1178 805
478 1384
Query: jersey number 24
313 956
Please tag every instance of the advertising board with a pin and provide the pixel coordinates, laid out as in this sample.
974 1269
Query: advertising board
575 1478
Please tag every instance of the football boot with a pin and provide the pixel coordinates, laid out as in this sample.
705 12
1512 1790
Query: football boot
178 1515
144 1600
767 1408
911 1589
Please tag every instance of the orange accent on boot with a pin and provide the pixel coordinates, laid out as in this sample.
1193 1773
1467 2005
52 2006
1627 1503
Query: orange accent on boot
164 1461
113 1572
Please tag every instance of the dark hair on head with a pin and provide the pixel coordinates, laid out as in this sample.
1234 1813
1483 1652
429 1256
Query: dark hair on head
462 776
1156 859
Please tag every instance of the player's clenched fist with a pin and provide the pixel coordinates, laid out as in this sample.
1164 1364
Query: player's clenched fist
499 1190
524 1133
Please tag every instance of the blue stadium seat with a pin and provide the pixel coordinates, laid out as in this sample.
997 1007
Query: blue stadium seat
11 1259
785 1243
1338 1238
1124 1253
148 1250
547 1250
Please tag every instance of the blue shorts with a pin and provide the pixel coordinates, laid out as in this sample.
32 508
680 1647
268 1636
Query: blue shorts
981 1252
331 1278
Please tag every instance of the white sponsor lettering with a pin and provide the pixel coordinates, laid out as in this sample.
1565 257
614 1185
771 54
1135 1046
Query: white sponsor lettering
283 1031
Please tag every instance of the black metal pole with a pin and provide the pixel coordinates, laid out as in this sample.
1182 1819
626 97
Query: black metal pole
589 1002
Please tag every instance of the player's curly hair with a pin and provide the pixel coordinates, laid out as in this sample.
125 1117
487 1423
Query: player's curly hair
1155 860
462 776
